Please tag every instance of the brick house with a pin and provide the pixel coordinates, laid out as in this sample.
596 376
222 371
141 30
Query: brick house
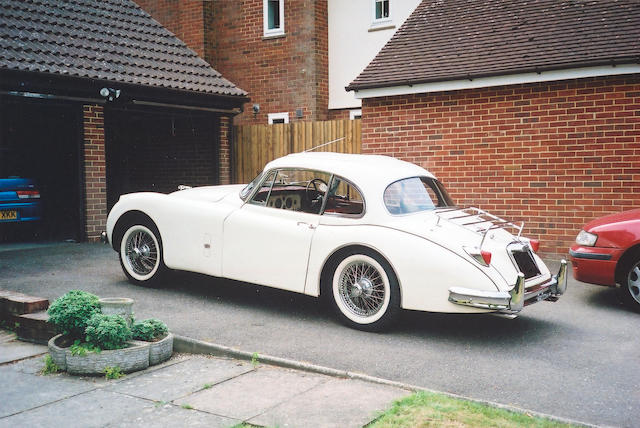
98 99
528 109
294 57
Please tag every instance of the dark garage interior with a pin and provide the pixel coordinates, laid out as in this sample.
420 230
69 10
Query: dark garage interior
41 140
157 150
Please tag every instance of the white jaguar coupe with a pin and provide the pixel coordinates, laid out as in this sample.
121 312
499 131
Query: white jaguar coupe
371 234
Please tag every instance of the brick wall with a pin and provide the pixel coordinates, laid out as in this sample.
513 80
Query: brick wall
95 186
555 155
283 73
184 18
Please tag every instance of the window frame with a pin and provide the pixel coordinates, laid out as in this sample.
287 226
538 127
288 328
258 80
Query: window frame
276 116
355 112
326 199
271 32
377 22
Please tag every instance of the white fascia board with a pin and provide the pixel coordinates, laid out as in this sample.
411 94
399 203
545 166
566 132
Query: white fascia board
503 80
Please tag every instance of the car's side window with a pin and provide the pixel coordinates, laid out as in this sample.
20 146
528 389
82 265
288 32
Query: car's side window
344 198
297 190
260 197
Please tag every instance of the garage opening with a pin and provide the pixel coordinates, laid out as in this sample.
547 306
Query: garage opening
40 141
158 150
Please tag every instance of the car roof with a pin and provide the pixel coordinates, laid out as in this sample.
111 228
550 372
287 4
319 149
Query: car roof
362 170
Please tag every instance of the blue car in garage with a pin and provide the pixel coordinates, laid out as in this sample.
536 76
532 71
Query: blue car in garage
19 200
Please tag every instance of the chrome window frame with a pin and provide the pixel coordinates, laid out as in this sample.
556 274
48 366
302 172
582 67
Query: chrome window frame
364 202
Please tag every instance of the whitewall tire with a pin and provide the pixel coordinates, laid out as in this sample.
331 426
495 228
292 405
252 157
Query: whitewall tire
141 254
365 292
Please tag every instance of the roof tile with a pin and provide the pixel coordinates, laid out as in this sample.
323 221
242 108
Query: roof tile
102 39
455 39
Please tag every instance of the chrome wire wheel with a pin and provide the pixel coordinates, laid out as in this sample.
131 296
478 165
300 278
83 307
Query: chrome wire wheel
633 282
140 252
361 289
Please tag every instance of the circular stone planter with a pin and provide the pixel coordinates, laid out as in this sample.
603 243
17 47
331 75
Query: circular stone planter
118 306
161 350
133 358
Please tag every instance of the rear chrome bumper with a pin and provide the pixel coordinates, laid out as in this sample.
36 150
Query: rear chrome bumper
514 300
104 238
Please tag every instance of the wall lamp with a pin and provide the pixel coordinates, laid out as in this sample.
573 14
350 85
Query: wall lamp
110 94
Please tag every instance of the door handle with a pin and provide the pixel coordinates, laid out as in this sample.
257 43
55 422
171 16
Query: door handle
309 225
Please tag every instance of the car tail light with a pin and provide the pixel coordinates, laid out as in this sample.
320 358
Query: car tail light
486 256
483 257
535 245
28 194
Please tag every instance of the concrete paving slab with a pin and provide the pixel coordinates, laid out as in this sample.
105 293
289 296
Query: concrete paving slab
30 365
251 394
22 391
93 409
16 350
171 382
170 415
339 403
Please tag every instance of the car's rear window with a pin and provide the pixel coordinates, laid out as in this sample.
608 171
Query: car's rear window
415 194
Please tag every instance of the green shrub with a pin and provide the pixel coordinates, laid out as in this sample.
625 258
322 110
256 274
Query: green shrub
50 367
70 313
107 331
149 330
112 373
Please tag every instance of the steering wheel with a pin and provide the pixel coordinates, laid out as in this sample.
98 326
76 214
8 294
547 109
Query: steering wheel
319 185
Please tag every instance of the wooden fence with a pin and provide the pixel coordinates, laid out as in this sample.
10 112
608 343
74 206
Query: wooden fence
253 146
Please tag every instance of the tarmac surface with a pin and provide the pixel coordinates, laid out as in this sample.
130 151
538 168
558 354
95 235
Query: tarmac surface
577 358
187 390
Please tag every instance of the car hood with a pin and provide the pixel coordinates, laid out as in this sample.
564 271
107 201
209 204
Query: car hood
618 230
612 219
208 193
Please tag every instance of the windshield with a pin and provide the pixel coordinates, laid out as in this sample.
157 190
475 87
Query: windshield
244 193
416 194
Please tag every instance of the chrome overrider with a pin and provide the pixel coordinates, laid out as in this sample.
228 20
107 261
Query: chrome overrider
514 300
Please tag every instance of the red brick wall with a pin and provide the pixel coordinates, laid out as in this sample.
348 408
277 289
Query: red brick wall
184 18
283 73
95 185
555 155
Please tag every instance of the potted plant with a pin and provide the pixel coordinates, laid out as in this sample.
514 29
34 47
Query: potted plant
157 334
91 342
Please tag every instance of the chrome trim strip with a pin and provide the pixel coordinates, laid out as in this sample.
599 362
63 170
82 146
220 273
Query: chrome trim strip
589 256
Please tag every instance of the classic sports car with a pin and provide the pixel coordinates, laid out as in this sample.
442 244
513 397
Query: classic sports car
372 234
607 252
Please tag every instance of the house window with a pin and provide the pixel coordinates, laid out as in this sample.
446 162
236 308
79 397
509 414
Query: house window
278 118
381 11
355 114
273 11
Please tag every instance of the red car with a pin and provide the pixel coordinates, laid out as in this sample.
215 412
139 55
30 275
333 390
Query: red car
607 252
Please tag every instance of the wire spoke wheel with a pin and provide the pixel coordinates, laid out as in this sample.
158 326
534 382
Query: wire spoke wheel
140 253
365 292
362 288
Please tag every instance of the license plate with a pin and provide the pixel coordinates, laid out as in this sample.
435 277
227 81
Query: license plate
9 215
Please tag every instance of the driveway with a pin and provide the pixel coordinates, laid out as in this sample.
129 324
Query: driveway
578 358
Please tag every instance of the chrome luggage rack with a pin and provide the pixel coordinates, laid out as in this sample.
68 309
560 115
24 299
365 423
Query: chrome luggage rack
494 222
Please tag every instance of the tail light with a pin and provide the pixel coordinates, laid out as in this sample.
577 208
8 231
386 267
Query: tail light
28 194
535 245
483 257
486 256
